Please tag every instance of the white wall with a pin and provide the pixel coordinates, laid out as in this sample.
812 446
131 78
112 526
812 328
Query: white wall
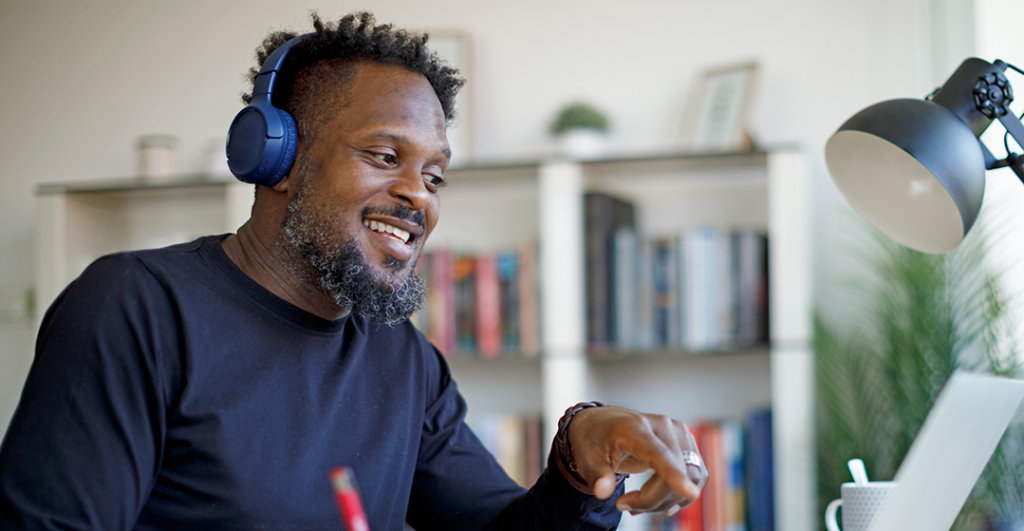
998 36
83 79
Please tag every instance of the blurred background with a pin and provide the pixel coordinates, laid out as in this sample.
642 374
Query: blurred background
84 80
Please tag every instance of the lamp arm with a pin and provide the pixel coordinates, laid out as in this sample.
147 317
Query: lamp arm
1013 126
1016 130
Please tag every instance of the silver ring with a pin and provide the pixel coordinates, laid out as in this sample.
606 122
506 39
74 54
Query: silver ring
693 459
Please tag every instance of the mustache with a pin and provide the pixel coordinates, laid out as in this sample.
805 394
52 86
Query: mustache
401 212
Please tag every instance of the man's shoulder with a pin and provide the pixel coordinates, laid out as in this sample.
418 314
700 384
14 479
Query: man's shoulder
139 272
149 262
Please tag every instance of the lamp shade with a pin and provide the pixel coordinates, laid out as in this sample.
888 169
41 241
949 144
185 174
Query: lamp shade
913 169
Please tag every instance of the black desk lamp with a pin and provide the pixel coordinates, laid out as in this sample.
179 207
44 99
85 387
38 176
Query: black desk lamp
915 169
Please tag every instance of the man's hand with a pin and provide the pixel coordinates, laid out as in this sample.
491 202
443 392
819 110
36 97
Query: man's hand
609 440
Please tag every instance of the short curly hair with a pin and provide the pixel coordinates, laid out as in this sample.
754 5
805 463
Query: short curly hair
325 61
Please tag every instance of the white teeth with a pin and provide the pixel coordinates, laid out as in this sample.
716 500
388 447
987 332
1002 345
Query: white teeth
387 229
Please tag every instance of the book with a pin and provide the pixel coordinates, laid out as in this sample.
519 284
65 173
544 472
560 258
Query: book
441 302
487 291
624 251
533 449
529 319
725 306
701 285
752 288
734 500
760 472
713 495
511 444
604 214
465 303
665 273
731 327
508 288
645 299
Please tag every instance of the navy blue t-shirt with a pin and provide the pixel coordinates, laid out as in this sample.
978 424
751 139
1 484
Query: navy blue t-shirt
171 391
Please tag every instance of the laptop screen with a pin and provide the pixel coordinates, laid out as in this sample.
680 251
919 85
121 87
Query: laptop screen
950 452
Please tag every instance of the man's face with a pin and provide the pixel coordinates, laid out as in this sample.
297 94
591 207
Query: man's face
366 194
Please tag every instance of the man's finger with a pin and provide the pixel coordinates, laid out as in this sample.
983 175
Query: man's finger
655 496
666 464
605 485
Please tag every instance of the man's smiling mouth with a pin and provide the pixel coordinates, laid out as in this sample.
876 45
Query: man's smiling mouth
384 228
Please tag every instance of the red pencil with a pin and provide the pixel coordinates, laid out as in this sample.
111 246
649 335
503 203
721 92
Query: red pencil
348 499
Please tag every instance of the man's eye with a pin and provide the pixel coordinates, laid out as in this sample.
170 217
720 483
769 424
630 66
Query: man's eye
436 180
387 158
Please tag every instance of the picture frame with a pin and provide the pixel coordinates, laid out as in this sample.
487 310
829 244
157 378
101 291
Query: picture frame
455 48
717 114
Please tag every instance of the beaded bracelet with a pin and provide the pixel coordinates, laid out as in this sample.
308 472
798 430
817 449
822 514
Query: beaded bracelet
563 446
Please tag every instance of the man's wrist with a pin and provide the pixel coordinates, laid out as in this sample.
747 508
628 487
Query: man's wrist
565 459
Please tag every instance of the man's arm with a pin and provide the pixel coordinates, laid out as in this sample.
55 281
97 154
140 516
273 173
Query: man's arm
82 449
459 484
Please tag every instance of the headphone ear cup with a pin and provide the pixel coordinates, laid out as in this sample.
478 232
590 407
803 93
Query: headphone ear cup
255 155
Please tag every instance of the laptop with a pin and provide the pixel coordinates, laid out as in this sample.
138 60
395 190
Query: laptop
950 452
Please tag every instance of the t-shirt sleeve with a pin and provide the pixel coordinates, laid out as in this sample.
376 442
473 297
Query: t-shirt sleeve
459 485
83 447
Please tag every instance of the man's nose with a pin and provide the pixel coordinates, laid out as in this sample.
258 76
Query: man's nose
410 187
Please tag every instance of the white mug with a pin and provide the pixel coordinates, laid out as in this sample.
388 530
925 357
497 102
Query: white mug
861 503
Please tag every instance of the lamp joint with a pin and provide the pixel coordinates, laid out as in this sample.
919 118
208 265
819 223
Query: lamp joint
992 94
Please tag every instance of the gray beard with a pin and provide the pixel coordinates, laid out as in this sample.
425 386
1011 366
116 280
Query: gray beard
341 270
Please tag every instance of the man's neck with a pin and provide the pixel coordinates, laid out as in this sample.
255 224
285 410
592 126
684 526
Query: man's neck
266 262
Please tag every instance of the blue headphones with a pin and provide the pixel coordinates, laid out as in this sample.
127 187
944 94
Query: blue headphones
262 138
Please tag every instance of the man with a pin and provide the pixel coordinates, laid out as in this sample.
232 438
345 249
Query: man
213 384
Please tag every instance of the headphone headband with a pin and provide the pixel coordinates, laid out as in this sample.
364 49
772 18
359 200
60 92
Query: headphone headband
267 77
262 139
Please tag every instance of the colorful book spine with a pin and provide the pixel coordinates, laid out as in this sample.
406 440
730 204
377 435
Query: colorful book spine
645 295
625 286
739 494
760 472
508 287
529 320
604 214
752 289
441 302
488 306
710 444
665 271
482 304
533 449
465 304
734 501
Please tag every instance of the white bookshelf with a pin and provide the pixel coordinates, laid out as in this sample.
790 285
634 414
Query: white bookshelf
500 206
78 222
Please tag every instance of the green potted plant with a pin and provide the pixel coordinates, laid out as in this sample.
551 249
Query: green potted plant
581 130
925 316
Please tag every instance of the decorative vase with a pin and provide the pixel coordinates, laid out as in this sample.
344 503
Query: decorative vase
584 144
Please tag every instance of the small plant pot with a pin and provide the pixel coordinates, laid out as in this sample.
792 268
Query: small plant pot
583 144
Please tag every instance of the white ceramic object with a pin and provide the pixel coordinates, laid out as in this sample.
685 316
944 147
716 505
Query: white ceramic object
583 144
